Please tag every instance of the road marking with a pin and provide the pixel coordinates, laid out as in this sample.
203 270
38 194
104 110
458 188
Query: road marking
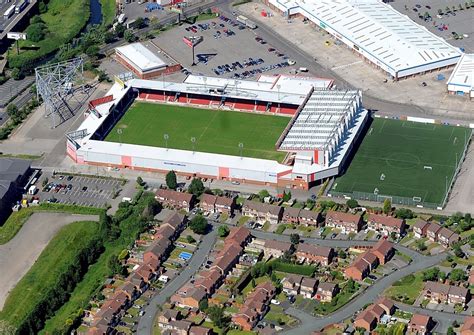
346 65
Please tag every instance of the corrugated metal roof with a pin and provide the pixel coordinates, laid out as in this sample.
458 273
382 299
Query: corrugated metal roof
463 73
140 56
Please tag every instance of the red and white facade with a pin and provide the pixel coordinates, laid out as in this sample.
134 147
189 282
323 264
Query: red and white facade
340 114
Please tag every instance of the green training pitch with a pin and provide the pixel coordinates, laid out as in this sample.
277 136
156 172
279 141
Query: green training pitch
215 131
405 159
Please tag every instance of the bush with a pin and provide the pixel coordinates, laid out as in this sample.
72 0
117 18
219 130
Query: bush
171 181
16 74
352 203
36 32
223 231
198 225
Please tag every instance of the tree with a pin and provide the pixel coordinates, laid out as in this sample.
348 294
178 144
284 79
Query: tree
420 245
431 274
16 74
109 37
286 196
287 256
171 181
351 286
198 224
217 316
140 181
120 30
93 51
223 231
450 331
342 254
190 239
457 275
140 23
36 32
458 251
196 187
102 76
203 305
294 238
387 206
468 218
404 213
115 266
263 194
12 111
352 203
129 36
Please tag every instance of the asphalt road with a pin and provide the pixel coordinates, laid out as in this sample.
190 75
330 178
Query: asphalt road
309 324
145 325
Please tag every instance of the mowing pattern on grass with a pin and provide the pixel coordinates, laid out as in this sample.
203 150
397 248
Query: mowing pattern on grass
216 131
404 159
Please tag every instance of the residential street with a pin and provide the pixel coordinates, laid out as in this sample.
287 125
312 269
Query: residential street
145 325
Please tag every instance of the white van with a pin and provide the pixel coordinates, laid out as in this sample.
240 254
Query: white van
303 69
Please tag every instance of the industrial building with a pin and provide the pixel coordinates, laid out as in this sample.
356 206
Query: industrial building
461 81
146 60
323 126
14 175
386 38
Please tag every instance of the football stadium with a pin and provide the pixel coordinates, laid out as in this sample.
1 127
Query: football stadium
282 130
410 163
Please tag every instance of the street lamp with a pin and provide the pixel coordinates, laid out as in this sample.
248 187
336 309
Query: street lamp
193 141
166 137
241 146
119 132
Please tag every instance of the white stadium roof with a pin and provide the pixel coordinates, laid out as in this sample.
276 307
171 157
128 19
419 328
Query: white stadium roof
463 74
321 119
376 29
141 57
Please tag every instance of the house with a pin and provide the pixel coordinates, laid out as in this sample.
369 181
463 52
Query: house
326 291
443 293
291 284
209 280
240 236
262 212
432 231
309 218
225 205
199 330
276 249
158 250
371 260
189 298
419 228
227 258
174 199
165 232
387 305
447 237
369 318
291 215
420 324
208 203
314 254
346 222
167 316
386 225
255 306
358 270
468 326
176 221
180 327
384 251
308 287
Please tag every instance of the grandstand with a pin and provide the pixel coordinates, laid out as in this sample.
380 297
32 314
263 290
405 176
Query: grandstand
329 120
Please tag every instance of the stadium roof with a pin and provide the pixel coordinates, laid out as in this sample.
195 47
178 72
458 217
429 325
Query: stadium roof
463 74
141 57
377 29
321 119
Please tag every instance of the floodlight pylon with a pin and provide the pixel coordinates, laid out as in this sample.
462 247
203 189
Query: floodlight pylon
55 84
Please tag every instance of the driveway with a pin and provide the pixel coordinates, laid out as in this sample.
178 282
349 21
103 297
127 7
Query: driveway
145 325
21 252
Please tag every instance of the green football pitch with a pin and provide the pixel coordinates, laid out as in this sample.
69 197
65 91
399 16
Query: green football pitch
215 131
405 159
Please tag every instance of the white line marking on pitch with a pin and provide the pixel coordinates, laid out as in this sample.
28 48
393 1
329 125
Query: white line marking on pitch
346 65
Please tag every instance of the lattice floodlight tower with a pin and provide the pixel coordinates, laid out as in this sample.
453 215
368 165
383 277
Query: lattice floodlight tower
55 84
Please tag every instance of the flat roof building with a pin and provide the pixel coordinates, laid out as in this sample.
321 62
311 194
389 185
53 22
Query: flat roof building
375 30
146 60
461 81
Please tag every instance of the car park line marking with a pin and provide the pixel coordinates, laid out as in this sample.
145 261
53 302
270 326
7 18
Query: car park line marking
346 65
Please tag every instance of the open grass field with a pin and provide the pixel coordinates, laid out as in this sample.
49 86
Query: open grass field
45 275
215 131
405 159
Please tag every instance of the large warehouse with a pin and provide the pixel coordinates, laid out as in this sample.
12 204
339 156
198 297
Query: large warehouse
389 40
323 125
461 81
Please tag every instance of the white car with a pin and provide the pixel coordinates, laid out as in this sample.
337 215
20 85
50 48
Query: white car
291 62
275 302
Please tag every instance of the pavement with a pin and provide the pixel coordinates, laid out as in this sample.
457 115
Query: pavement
145 325
21 252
